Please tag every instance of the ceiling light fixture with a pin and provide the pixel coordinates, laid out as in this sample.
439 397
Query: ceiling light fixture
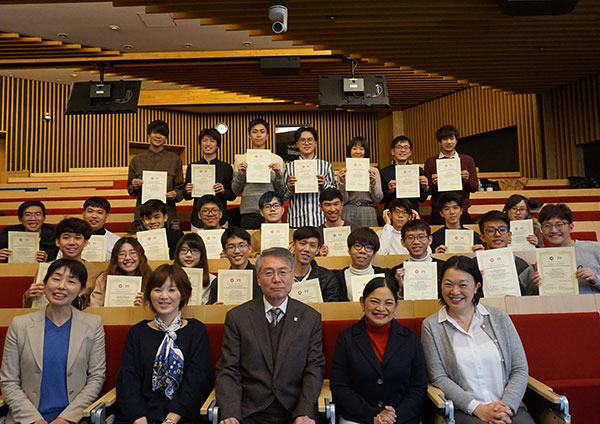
188 45
62 35
128 47
114 27
247 43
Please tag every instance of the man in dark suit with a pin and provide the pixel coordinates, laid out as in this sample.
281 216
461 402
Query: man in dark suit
271 366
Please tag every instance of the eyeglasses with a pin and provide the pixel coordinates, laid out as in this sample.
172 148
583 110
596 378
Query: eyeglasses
400 212
309 140
402 147
515 209
208 212
559 225
501 230
232 247
369 248
270 273
186 250
132 254
270 206
410 238
31 214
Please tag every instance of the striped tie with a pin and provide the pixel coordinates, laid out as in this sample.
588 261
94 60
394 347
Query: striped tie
275 314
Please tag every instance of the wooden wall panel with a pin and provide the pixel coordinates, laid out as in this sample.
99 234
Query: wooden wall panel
474 111
101 140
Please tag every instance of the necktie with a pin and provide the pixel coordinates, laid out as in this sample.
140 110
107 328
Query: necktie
275 314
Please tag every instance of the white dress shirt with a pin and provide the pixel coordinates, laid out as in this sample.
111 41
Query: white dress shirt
268 307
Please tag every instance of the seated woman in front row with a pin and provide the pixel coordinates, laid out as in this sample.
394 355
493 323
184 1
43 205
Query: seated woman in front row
53 365
378 374
474 353
165 366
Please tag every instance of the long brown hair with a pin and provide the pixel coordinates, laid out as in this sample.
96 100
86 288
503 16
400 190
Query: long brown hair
143 268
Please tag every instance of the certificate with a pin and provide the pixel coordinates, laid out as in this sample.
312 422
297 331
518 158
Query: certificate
420 280
196 276
336 240
212 242
203 179
234 286
24 246
155 244
520 230
308 291
40 301
258 161
357 174
154 186
500 276
557 268
407 182
448 172
95 251
274 235
358 284
459 241
121 290
306 174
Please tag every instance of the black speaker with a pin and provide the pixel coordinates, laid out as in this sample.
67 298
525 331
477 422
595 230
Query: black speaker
280 65
536 7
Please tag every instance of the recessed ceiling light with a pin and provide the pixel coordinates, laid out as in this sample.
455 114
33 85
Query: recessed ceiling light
331 17
74 75
188 45
62 35
10 74
247 43
114 27
128 47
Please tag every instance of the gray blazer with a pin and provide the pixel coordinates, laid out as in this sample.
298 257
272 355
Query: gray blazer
443 369
248 379
22 361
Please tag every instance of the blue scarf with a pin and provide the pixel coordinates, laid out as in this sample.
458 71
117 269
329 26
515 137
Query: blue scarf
168 363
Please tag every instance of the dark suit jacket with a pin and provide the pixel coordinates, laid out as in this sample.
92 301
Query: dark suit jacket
248 379
361 387
343 290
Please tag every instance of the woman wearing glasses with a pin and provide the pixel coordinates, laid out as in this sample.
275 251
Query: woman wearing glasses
517 208
127 258
191 253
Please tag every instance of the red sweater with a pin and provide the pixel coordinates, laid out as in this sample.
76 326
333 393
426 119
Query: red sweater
379 337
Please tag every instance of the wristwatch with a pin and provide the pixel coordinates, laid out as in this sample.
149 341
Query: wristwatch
169 421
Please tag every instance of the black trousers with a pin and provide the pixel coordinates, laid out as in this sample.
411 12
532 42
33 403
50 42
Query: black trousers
275 413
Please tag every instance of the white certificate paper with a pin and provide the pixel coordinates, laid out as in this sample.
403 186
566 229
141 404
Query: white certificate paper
357 174
500 276
336 240
203 179
234 286
306 174
95 251
407 182
274 235
40 301
557 267
258 161
420 280
459 241
154 186
24 246
520 230
448 172
308 291
155 244
121 290
196 276
212 242
358 285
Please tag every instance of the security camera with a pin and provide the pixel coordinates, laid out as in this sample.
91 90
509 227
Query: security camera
279 15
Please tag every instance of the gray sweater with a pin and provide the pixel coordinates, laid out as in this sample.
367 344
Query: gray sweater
444 372
587 255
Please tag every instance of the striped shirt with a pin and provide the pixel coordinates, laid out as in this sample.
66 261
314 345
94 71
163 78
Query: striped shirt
303 209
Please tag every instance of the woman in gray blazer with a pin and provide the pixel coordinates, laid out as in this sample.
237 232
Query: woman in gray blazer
54 365
473 352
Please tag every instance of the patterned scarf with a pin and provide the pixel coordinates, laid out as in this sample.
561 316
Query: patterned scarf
168 363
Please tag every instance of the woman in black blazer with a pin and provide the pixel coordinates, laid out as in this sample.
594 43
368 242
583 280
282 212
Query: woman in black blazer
378 374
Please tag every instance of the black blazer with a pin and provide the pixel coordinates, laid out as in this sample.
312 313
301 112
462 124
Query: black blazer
362 388
341 278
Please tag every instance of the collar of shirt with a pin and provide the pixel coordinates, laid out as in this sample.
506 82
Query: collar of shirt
480 310
454 156
304 278
268 307
313 158
203 160
100 232
427 258
162 152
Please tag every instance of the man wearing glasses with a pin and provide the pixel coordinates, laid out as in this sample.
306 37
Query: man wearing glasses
209 213
557 225
304 207
363 244
272 365
271 209
401 152
396 216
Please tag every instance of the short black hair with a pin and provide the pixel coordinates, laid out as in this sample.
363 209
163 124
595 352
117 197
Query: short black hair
358 141
234 232
302 129
364 235
73 225
450 196
401 203
415 225
329 194
158 126
560 211
212 133
400 138
445 132
209 198
29 203
75 267
493 216
465 264
151 206
304 233
97 202
267 197
515 199
258 121
379 282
